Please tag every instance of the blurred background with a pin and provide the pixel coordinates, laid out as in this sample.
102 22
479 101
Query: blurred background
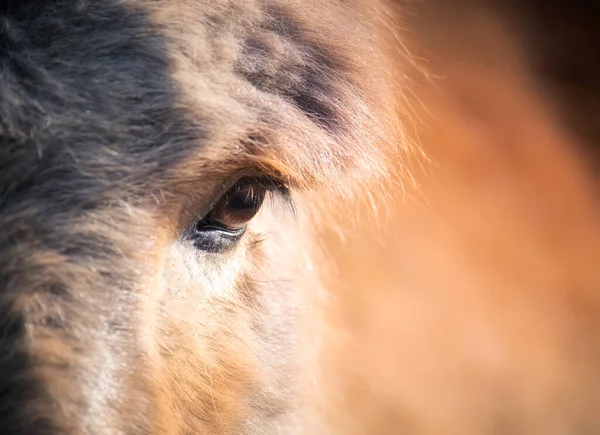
474 308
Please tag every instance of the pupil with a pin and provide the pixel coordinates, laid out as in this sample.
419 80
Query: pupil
245 198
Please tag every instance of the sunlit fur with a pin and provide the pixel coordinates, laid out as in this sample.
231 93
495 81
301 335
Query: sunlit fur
121 122
472 310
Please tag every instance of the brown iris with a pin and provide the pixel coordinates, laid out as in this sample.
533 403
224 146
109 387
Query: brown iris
236 207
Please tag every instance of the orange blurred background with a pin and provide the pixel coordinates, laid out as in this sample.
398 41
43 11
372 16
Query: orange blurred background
472 305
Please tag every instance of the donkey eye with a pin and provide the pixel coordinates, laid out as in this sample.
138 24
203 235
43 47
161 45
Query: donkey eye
225 224
236 208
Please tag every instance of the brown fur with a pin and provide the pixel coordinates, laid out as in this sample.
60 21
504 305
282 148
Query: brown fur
472 311
122 122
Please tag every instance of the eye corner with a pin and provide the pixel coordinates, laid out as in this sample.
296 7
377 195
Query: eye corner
280 190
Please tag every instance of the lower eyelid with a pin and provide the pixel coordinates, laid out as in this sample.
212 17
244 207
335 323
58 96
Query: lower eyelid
216 239
208 229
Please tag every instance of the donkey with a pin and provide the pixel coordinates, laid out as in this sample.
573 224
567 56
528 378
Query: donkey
166 169
163 169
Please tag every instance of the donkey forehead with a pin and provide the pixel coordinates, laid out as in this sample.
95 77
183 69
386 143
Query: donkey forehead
120 94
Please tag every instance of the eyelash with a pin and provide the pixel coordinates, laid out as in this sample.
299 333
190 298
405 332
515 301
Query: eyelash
212 233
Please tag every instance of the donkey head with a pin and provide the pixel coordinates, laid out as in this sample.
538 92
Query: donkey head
149 281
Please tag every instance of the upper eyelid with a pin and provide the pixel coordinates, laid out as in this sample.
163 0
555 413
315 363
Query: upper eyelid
273 184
